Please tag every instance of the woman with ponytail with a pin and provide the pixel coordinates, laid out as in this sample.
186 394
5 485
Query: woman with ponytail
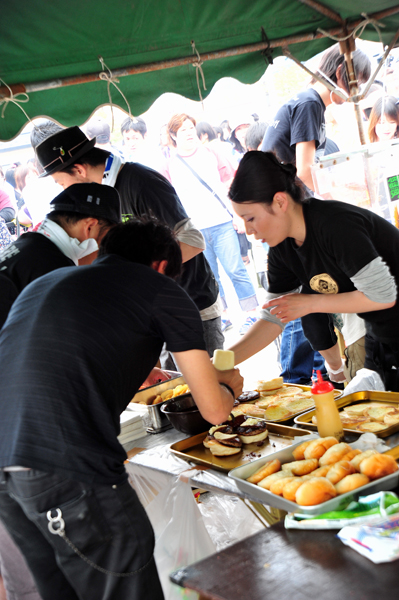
325 257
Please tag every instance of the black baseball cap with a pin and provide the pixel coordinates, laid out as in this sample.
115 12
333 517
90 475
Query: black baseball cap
100 130
91 199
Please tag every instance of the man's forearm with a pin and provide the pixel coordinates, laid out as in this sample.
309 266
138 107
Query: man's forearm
348 302
260 335
332 356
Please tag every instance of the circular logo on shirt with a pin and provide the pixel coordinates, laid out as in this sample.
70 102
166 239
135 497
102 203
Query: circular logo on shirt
324 284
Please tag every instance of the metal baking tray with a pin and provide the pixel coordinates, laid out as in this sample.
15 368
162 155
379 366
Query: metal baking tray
305 420
290 417
240 474
193 450
155 421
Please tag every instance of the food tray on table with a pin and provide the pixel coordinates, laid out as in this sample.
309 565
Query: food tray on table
284 407
154 420
241 473
193 450
373 399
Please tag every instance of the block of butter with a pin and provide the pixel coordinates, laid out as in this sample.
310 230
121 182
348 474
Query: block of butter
223 360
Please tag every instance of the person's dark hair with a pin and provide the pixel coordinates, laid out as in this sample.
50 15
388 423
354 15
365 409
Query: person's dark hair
10 175
219 132
62 218
390 109
144 240
260 175
41 132
254 135
137 124
206 128
332 59
94 157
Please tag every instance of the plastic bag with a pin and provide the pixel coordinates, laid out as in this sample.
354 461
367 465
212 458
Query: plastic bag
181 537
378 541
227 519
365 380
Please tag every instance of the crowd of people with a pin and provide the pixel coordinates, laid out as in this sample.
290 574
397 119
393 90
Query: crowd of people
116 274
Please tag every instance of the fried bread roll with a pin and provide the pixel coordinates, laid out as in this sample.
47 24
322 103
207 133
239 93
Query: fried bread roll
267 482
299 452
340 470
277 487
329 441
378 465
352 454
291 487
315 491
321 471
316 448
272 466
301 467
359 457
351 482
334 454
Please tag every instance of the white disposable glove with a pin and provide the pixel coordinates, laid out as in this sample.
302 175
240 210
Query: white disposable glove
338 375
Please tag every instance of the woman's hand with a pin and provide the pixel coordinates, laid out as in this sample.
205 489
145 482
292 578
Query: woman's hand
291 306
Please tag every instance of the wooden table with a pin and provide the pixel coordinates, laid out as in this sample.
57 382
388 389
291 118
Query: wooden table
280 564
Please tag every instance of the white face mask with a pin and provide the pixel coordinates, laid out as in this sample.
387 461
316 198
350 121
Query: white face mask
71 247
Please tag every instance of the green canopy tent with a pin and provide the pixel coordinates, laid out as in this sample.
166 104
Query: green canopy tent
51 50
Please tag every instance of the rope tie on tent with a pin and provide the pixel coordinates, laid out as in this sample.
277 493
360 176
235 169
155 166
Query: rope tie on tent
13 99
361 27
198 69
111 79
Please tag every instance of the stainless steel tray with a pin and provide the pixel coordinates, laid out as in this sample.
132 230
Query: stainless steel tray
155 420
305 420
240 474
193 450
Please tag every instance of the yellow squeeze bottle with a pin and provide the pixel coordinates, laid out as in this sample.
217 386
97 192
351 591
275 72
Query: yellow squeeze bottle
223 360
327 415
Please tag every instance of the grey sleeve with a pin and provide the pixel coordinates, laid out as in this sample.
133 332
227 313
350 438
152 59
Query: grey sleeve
265 313
188 234
376 281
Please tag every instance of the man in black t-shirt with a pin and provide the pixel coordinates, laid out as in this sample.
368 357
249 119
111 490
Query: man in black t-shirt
69 157
76 347
79 219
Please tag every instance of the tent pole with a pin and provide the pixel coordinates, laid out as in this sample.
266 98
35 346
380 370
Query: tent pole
167 64
324 10
347 47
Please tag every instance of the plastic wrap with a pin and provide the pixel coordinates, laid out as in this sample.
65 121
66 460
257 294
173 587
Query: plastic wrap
365 380
227 519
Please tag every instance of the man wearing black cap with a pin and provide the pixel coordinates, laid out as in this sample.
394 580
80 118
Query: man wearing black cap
80 217
99 129
70 157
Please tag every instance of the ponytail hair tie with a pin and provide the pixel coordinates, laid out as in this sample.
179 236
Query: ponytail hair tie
289 169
